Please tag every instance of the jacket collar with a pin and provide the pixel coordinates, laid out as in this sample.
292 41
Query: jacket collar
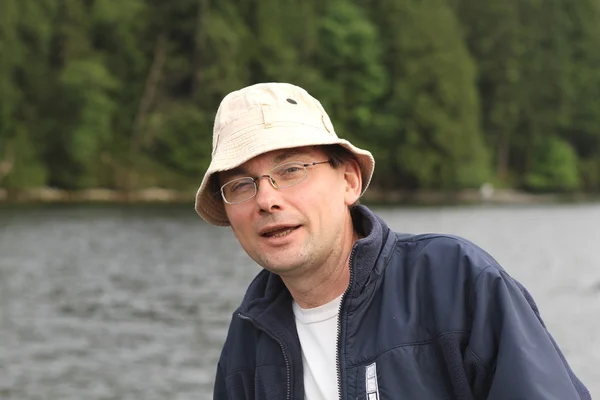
268 294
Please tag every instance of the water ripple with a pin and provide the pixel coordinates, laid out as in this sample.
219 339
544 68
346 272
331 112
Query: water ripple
127 303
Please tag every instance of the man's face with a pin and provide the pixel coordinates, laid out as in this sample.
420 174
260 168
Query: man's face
294 230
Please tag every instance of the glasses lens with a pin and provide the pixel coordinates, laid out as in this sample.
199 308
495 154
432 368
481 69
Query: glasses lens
288 174
238 190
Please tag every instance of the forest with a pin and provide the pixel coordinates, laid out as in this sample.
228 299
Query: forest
447 94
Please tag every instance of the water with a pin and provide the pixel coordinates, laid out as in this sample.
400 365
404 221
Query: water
133 302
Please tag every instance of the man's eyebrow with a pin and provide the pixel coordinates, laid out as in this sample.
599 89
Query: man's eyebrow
289 154
241 171
237 171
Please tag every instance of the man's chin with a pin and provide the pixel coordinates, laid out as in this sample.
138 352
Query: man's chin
283 269
280 261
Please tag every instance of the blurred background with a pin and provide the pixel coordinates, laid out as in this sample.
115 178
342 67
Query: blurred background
130 302
448 94
459 100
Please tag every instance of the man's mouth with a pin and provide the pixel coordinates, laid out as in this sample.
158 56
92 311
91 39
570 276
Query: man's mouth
279 232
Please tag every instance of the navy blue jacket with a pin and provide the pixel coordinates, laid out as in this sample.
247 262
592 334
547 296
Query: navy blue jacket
436 315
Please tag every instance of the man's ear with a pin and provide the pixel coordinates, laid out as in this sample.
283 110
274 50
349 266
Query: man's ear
353 179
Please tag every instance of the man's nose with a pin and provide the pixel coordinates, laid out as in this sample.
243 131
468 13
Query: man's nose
267 197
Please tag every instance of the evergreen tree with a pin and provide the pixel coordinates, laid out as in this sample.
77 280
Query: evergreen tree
123 94
428 134
493 34
538 83
583 129
352 74
25 40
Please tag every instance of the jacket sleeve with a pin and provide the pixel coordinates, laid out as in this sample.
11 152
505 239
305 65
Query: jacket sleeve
511 343
220 388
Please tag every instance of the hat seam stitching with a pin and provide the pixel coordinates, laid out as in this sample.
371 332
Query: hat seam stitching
276 124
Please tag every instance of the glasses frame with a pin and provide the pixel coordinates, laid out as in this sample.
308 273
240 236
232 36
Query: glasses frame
271 180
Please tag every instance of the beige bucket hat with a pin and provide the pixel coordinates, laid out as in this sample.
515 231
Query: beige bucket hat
261 118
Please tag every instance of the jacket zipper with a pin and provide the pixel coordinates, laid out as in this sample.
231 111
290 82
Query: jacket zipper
339 326
288 371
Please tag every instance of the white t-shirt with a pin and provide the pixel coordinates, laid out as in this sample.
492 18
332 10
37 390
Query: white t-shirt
317 330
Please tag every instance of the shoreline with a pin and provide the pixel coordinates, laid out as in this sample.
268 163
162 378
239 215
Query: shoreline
485 195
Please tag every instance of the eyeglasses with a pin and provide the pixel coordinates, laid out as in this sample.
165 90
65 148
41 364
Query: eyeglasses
282 176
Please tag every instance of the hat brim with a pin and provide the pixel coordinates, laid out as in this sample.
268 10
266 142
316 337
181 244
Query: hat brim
233 153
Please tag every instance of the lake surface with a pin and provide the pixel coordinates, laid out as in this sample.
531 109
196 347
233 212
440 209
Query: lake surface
133 302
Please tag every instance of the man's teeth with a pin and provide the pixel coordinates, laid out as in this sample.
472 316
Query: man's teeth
280 233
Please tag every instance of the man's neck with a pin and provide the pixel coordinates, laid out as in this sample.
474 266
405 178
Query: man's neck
324 284
318 290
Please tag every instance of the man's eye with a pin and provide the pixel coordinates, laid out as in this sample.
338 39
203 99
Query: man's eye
241 186
291 170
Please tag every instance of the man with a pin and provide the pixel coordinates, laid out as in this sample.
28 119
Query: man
345 308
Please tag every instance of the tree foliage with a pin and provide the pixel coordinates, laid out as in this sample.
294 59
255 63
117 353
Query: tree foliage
432 133
447 94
